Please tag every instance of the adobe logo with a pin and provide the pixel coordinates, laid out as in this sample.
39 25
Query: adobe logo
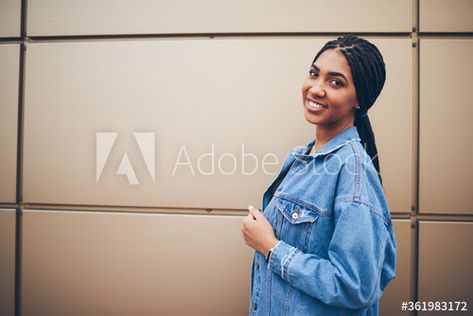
104 142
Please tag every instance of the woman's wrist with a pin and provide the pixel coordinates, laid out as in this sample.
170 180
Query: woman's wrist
270 246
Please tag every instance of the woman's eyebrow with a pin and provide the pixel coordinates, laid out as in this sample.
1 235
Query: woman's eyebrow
331 73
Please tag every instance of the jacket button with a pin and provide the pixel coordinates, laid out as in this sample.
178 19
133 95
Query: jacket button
254 306
257 266
295 216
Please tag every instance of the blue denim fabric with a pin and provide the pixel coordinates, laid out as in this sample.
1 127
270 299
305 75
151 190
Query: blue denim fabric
337 248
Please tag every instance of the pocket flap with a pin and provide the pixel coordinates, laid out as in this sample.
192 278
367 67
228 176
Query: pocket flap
296 213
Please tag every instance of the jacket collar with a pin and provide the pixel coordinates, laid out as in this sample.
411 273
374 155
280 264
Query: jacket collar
348 135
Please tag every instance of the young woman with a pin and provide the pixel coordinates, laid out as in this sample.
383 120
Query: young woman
325 243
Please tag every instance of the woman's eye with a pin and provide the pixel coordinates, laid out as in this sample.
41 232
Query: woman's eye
336 83
312 73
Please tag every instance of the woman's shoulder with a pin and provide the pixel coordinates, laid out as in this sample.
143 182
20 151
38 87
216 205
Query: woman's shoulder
353 157
359 180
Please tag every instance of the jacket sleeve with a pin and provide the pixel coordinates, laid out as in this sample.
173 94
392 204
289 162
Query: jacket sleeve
351 276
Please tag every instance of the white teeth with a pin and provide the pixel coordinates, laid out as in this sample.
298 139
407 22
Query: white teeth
315 105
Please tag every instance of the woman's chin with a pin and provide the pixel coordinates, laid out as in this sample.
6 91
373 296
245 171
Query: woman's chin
313 120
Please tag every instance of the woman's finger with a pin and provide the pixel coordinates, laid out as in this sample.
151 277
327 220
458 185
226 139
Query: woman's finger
254 211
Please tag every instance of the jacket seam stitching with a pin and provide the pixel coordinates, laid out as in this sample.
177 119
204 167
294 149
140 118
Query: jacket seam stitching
285 264
291 198
356 197
373 209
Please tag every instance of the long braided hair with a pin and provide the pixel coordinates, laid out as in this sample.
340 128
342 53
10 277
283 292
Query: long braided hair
369 73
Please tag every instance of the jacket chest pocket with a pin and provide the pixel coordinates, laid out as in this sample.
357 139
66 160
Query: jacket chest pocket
295 223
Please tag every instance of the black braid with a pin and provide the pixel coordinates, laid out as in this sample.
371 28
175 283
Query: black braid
369 74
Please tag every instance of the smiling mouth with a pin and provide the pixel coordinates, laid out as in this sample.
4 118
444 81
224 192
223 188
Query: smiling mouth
315 106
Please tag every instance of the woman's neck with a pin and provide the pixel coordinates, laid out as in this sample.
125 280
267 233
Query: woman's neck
324 133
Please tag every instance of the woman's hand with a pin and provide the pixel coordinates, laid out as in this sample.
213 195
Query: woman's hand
258 232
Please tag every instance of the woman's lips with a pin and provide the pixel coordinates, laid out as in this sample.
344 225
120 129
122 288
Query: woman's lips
315 107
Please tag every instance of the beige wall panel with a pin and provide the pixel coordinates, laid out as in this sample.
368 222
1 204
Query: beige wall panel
7 262
446 15
398 290
446 109
9 78
238 98
10 18
85 263
60 17
445 263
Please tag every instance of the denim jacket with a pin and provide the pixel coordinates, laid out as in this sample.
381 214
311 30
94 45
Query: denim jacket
337 248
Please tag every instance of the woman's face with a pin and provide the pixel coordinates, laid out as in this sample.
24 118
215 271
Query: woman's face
328 93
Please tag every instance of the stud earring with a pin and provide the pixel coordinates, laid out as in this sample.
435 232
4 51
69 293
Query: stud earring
357 107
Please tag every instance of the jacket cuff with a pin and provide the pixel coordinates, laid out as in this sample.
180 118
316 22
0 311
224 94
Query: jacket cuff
281 258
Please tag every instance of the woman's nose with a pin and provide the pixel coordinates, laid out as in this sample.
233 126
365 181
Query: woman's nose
317 90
